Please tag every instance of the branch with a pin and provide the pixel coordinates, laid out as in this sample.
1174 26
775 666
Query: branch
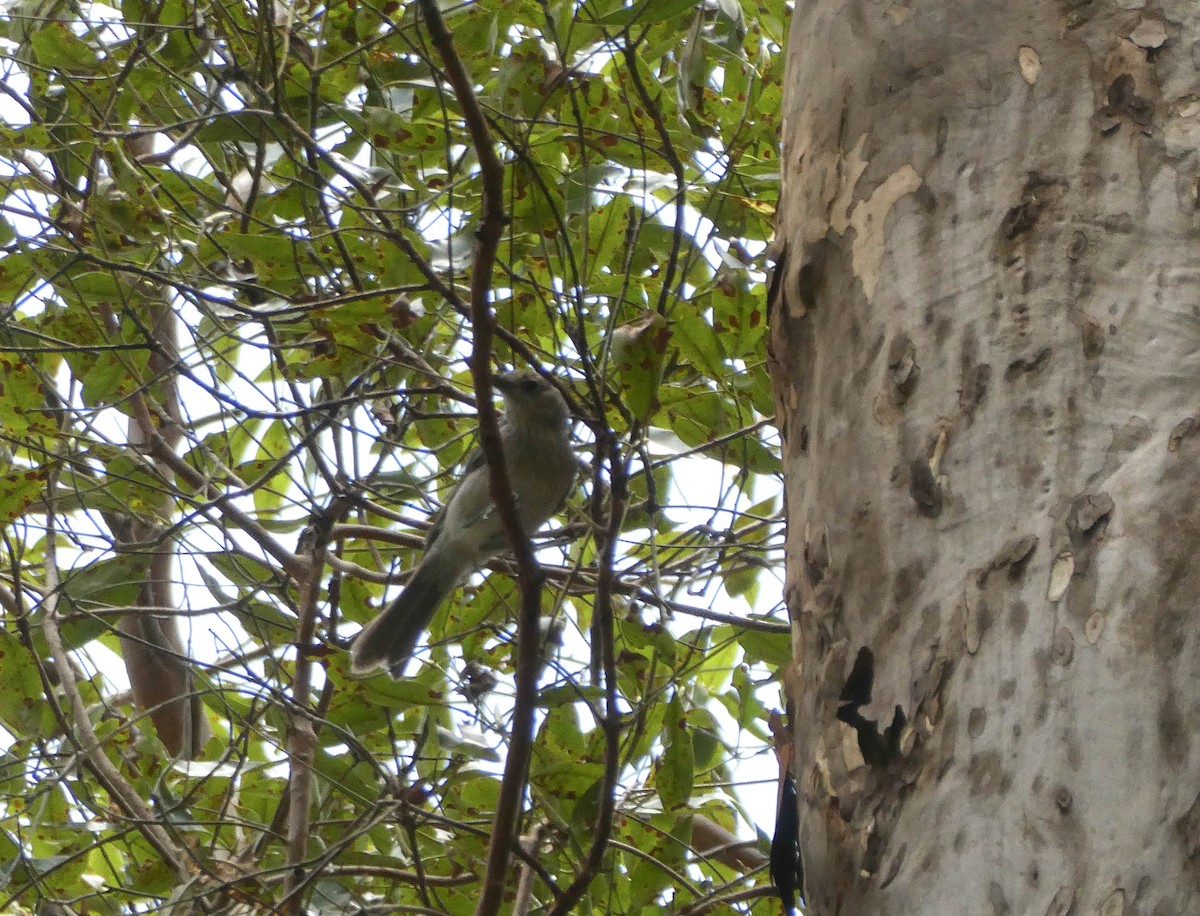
726 901
712 841
398 875
742 623
302 737
529 575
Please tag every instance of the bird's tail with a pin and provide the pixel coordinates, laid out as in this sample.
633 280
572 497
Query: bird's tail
390 639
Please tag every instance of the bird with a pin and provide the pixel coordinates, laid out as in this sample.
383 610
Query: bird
535 435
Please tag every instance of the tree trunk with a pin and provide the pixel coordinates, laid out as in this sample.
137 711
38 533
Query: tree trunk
985 338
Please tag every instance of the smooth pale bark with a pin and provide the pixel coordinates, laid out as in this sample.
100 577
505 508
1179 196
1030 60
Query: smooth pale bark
986 345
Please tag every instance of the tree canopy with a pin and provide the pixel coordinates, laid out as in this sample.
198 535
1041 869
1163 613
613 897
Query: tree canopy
242 255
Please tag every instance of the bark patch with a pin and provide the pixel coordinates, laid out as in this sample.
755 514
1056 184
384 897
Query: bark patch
812 277
1014 557
1093 339
976 379
877 749
1089 517
903 371
1189 830
1184 429
1125 104
1027 365
924 488
987 775
1038 194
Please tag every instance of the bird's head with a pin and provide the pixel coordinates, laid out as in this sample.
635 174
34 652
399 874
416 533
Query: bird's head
531 399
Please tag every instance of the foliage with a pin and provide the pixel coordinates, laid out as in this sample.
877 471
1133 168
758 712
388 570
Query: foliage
237 243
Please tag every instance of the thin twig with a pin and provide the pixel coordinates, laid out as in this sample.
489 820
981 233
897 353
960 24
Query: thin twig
611 722
724 902
531 845
672 157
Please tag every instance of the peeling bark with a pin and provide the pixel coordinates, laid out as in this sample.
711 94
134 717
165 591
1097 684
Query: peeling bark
984 339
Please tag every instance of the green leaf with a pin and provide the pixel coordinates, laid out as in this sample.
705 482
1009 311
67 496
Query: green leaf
366 705
345 775
59 48
639 349
705 732
113 376
388 130
241 126
646 12
102 585
23 707
243 570
568 696
19 490
22 403
675 773
16 273
275 258
773 648
699 343
270 624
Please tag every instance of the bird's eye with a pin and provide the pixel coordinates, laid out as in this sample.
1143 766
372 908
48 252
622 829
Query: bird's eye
529 385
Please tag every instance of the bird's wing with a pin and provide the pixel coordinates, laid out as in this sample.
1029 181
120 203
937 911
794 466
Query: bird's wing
476 461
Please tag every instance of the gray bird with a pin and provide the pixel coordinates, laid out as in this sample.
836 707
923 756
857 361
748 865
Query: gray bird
535 435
